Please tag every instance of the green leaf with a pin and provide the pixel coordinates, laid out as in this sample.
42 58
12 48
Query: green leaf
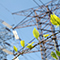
15 48
22 42
53 55
54 19
35 33
30 45
45 35
57 52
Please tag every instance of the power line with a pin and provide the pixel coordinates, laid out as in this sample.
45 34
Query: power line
42 2
5 8
36 3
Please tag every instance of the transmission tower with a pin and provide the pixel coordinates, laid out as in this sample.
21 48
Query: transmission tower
40 16
7 40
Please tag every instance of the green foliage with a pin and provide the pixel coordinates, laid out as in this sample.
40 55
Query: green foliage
35 33
54 19
53 55
45 35
22 42
15 48
57 52
30 45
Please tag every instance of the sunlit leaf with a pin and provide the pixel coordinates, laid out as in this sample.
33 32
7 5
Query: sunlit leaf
35 33
57 52
22 42
45 35
53 55
54 19
15 48
30 45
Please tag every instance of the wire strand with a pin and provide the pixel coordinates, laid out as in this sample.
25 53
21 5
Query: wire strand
42 2
36 3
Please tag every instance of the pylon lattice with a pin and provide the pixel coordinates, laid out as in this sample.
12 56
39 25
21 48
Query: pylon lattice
40 17
6 41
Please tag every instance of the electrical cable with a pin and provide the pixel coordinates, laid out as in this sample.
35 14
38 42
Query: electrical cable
36 3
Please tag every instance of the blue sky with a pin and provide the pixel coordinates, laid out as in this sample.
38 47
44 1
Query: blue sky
7 7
